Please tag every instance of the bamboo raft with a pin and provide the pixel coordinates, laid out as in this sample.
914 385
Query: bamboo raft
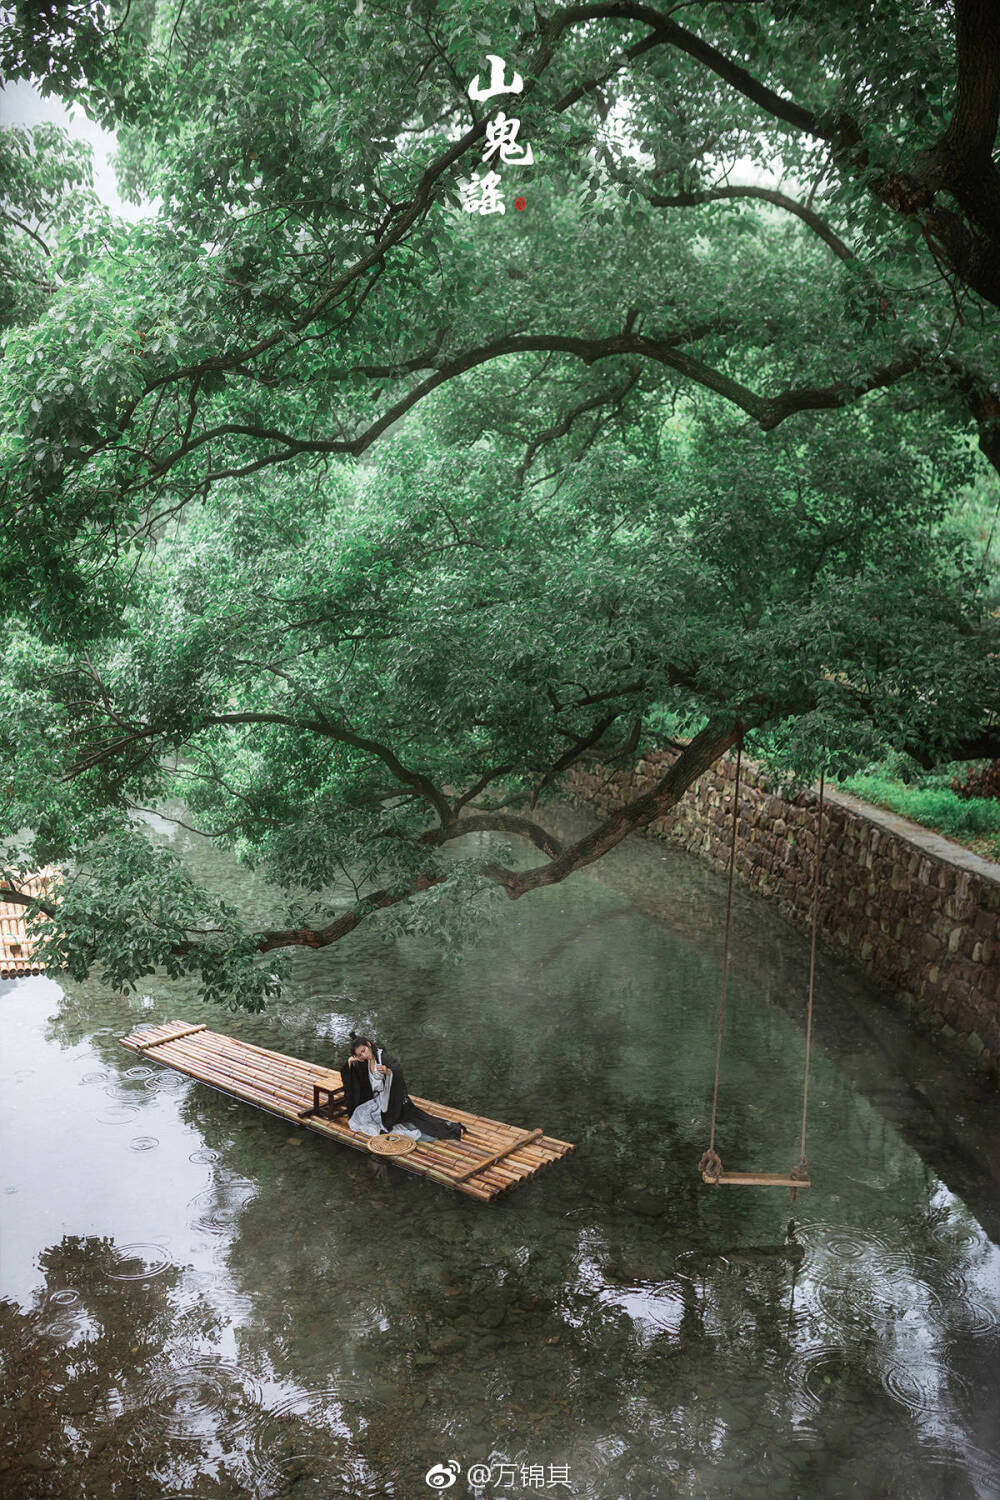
16 948
490 1159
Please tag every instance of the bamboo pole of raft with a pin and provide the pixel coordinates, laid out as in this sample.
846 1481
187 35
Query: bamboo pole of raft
203 1056
197 1067
532 1147
136 1040
295 1062
461 1169
480 1149
465 1165
464 1115
530 1143
236 1066
281 1090
497 1177
254 1065
253 1069
209 1068
498 1158
293 1089
172 1036
491 1161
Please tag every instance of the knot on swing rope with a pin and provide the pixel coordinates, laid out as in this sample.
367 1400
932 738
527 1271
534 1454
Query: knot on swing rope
710 1165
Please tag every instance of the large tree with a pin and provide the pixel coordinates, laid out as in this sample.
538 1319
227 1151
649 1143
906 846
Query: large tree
663 440
341 679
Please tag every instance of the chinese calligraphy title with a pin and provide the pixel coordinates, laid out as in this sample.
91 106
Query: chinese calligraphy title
481 195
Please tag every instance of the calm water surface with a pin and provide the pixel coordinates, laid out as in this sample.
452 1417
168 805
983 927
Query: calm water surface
200 1301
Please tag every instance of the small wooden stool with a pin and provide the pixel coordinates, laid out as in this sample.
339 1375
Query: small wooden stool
335 1105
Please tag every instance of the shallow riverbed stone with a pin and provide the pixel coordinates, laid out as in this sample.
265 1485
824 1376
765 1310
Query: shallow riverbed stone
450 1344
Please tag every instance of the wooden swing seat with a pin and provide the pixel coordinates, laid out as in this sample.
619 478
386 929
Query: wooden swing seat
755 1179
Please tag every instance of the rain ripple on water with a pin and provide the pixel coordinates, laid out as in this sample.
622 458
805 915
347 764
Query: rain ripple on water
307 1431
167 1079
216 1210
201 1290
207 1397
828 1374
117 1114
139 1262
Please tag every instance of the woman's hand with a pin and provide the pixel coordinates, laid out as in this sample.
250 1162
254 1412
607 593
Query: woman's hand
383 1069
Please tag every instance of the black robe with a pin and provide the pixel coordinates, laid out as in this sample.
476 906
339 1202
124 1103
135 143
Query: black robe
402 1110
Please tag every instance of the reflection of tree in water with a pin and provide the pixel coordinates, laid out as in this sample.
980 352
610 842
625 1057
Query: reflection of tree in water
811 1375
537 1340
115 1388
74 1366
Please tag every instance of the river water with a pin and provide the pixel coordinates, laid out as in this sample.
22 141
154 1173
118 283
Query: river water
202 1301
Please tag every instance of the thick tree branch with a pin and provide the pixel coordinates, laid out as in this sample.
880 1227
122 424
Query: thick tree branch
765 195
768 411
842 130
985 745
965 157
12 219
693 759
21 898
322 937
714 740
696 757
961 163
322 726
495 822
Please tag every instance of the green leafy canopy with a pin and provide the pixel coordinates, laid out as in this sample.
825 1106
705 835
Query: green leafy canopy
350 519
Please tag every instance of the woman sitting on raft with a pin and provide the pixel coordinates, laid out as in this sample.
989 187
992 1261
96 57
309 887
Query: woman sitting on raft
377 1101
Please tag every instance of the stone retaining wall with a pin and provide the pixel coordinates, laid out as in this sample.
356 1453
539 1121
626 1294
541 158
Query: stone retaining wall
919 913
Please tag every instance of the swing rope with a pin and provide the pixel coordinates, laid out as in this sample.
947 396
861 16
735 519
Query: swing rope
711 1162
803 1163
710 1165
